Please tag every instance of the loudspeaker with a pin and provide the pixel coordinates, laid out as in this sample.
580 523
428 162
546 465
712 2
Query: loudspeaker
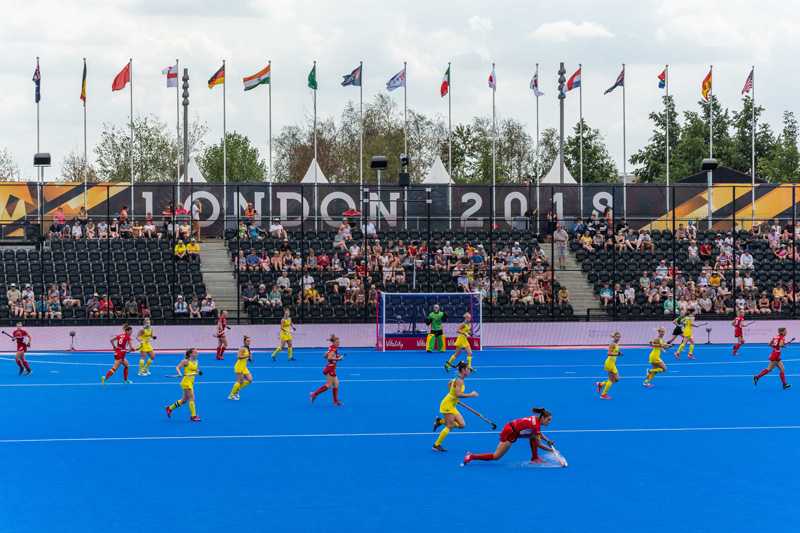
41 159
404 180
378 162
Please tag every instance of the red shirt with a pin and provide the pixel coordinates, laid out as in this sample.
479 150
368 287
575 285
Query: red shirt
121 343
222 325
525 427
737 325
777 344
20 335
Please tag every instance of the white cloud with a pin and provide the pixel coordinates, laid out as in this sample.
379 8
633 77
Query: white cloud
481 24
566 30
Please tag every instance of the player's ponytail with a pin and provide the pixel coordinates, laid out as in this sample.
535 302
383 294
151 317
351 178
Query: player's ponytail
542 412
462 365
188 353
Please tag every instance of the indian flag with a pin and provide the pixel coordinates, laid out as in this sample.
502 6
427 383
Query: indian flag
259 78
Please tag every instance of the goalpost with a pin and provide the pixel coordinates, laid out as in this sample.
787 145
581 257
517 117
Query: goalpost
401 318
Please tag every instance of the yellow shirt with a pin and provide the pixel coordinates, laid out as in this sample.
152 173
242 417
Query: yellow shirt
456 387
145 336
687 326
657 345
286 326
180 249
193 248
190 371
241 362
465 329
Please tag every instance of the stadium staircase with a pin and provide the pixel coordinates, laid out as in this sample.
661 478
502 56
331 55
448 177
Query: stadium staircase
581 292
218 274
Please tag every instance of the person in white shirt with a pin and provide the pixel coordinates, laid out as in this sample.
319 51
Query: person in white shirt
369 229
277 230
693 252
447 250
284 283
746 260
308 282
630 295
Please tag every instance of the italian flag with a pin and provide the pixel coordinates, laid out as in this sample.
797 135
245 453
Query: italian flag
445 88
259 78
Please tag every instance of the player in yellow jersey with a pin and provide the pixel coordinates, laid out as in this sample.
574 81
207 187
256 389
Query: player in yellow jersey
285 336
146 353
462 343
657 366
688 335
451 418
243 375
610 366
188 369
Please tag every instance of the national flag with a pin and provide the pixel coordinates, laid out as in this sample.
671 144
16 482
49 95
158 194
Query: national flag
262 77
574 81
354 78
535 85
171 72
312 78
619 83
445 87
83 84
397 81
705 88
122 79
493 80
748 83
37 82
218 78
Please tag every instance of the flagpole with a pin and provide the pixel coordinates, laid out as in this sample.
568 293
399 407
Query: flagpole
269 135
361 136
753 151
711 115
177 126
38 149
133 140
580 145
85 152
538 169
624 152
224 151
666 106
315 147
405 134
494 133
449 147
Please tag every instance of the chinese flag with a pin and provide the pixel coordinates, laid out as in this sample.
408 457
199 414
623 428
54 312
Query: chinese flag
122 79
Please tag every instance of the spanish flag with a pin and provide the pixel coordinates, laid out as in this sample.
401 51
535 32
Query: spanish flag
83 84
218 78
705 89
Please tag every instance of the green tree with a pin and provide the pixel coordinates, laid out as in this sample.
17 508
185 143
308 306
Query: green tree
781 164
741 139
597 163
9 170
153 152
651 160
243 162
75 170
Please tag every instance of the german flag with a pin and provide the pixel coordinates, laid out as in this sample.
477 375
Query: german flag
83 84
218 78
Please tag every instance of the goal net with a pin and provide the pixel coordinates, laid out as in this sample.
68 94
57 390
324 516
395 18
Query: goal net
402 318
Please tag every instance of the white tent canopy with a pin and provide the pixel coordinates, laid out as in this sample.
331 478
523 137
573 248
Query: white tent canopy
195 176
437 174
309 177
552 177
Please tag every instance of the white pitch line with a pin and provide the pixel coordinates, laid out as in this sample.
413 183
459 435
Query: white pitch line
382 434
377 380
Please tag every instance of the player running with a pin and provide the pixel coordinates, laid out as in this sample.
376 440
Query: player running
331 380
657 365
688 335
222 340
188 369
777 344
462 343
451 417
529 428
285 336
738 330
610 366
677 331
243 375
146 353
122 344
434 321
23 340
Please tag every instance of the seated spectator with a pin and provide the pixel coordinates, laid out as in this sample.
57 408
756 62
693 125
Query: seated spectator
669 306
764 305
67 299
680 233
277 230
193 250
59 220
705 251
83 216
90 230
629 296
149 229
13 294
781 253
662 271
181 308
194 308
283 283
77 231
208 307
250 214
645 242
254 232
113 229
606 295
345 230
131 308
102 230
180 251
275 299
126 229
93 306
31 308
369 229
253 261
579 228
779 292
106 307
123 214
249 294
242 231
776 306
144 309
563 296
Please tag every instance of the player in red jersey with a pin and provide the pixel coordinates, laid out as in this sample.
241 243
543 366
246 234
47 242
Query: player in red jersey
777 344
222 340
23 340
122 344
332 382
529 428
738 330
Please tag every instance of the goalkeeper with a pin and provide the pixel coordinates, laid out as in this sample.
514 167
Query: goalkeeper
434 322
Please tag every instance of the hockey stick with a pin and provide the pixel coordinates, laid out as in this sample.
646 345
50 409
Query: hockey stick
476 413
